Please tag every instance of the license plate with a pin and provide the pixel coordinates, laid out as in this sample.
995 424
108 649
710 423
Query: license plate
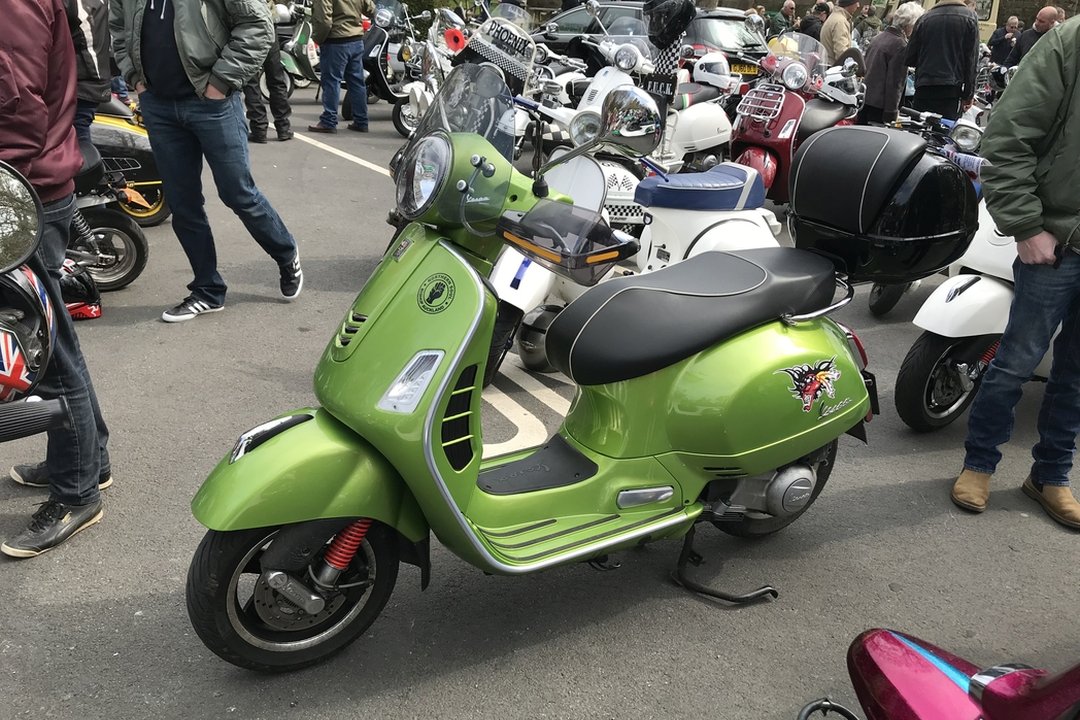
660 85
744 69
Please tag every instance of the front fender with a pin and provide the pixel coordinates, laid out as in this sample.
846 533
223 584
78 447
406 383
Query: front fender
761 160
309 467
966 306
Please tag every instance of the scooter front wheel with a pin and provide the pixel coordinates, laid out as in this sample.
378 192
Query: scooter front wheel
243 620
931 392
757 525
405 120
883 298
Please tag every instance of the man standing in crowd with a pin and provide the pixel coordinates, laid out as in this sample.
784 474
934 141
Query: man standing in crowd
188 60
1032 188
1044 21
37 136
784 20
276 85
89 23
836 32
886 67
811 24
338 28
942 50
867 26
1003 39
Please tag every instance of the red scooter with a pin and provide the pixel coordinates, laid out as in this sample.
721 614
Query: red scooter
899 677
799 97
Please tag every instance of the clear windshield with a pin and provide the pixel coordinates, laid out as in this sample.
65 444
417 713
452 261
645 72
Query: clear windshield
515 14
632 31
793 47
474 99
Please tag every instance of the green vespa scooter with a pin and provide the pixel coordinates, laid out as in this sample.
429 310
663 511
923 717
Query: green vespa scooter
731 418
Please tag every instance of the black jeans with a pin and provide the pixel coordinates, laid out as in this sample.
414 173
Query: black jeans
77 455
85 111
943 100
279 98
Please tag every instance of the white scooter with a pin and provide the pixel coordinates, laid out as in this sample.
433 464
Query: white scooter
963 320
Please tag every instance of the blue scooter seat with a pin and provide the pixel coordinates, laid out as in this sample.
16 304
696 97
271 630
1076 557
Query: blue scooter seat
726 186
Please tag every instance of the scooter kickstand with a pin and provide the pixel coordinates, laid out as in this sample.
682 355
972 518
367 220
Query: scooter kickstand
691 556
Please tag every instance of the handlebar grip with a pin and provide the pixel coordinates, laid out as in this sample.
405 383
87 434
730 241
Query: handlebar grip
23 419
914 114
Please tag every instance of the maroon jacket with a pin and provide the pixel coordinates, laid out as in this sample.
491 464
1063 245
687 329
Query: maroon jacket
37 96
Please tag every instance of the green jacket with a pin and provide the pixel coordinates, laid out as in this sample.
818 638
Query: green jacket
221 42
1033 144
339 19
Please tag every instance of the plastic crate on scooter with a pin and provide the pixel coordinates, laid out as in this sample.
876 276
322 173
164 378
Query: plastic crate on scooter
879 205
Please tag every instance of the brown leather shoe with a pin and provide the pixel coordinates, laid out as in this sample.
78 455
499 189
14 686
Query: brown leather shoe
971 490
1057 500
320 128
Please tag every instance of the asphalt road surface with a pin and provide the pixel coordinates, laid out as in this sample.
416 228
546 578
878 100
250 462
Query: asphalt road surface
98 628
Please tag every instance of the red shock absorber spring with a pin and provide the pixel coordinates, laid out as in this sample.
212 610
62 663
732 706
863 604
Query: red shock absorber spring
990 353
345 544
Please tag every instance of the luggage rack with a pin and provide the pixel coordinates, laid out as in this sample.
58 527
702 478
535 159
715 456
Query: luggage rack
762 102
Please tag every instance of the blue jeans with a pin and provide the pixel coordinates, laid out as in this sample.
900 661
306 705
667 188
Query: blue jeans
1044 298
85 110
182 132
76 456
338 61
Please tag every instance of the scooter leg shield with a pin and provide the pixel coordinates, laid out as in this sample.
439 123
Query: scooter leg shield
301 467
967 306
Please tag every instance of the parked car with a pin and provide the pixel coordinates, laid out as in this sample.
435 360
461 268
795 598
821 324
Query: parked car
576 22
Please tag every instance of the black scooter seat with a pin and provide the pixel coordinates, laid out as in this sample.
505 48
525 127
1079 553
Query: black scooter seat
820 114
689 94
632 326
92 170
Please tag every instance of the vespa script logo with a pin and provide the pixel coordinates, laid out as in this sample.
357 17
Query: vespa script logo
810 382
435 293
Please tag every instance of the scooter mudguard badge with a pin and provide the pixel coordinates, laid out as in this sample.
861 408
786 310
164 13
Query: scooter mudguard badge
810 382
435 293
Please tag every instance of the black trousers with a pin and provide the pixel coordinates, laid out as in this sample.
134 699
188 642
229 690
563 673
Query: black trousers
943 100
279 100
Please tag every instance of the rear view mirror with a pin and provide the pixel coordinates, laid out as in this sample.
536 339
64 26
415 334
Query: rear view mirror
592 7
21 219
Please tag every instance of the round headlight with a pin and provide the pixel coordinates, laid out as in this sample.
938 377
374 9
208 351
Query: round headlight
966 137
421 175
384 17
541 56
406 53
626 58
795 76
585 127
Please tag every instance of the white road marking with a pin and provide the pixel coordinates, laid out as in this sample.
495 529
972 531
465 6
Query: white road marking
520 377
530 431
342 154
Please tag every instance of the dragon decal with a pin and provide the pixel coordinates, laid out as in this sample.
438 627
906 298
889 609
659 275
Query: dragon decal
810 382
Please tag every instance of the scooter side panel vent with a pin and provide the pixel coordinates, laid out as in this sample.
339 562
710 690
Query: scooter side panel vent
457 438
762 102
719 473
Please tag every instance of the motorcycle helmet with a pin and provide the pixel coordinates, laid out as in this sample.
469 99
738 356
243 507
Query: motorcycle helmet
81 296
27 332
713 69
667 20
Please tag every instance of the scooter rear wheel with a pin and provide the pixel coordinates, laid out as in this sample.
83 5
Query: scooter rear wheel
245 622
759 525
883 298
118 236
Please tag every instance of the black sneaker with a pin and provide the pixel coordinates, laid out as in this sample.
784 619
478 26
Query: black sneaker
358 128
292 278
284 135
38 476
257 137
51 525
190 308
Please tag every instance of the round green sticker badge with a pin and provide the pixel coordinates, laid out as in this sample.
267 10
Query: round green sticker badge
435 293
